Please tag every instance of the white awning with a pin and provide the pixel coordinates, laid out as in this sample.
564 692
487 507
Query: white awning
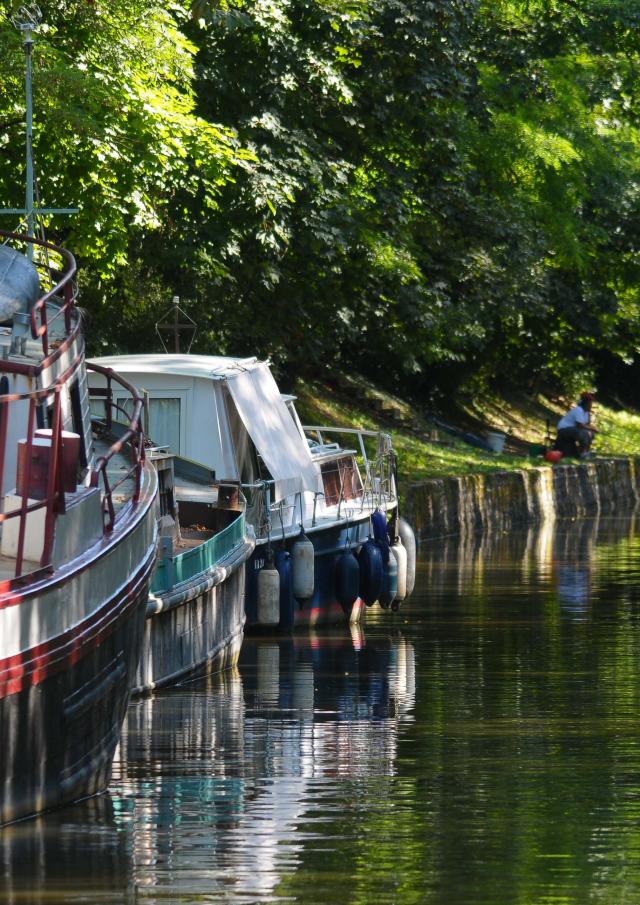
268 422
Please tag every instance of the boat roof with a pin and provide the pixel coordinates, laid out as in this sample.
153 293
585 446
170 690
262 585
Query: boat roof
207 366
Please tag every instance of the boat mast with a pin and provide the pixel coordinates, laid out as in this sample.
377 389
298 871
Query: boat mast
28 201
26 20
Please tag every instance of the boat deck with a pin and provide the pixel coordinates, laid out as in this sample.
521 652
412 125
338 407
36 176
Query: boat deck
8 567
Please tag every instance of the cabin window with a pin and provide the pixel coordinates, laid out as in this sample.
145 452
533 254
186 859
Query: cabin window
164 420
340 477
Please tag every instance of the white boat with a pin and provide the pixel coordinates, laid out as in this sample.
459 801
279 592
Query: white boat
195 613
78 542
314 496
78 534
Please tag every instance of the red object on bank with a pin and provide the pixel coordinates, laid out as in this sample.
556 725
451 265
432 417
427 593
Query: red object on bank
552 455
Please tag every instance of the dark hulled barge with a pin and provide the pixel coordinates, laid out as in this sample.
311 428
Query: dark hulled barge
77 544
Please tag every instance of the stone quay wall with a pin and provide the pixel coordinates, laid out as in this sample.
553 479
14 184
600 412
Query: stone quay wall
469 503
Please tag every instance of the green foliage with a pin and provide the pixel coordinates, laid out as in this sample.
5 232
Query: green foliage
116 131
444 194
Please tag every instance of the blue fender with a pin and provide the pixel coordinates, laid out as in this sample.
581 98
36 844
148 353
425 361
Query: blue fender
282 562
371 569
347 580
380 533
389 583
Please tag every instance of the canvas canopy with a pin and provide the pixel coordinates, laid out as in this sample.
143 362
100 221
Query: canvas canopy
272 429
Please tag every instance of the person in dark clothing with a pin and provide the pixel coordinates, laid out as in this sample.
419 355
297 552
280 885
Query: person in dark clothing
575 431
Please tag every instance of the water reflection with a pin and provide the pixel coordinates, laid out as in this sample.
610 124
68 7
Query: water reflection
76 854
582 560
217 776
212 780
531 752
485 752
573 559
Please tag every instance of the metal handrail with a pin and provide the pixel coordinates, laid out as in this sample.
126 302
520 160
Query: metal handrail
378 469
53 501
65 287
346 430
133 436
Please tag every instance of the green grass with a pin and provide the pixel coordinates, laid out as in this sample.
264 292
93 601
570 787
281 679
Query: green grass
425 453
620 433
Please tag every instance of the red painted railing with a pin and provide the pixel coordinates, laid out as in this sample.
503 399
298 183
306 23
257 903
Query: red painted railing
129 445
132 437
53 501
56 307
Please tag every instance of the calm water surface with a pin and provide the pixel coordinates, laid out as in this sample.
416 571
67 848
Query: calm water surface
481 748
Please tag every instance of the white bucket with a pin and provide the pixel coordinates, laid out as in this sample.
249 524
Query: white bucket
496 441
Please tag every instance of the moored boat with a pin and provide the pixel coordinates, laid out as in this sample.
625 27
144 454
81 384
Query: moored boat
315 496
78 541
195 611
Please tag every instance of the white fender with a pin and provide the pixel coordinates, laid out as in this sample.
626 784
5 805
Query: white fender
401 558
409 543
302 567
268 595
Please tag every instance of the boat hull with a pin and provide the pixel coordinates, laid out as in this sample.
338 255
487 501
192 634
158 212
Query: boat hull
323 608
198 627
69 649
60 734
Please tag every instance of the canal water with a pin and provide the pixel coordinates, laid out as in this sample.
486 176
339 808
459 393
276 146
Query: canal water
480 748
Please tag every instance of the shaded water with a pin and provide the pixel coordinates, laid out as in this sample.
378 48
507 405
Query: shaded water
482 748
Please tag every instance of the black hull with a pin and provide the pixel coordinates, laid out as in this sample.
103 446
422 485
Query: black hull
323 608
59 735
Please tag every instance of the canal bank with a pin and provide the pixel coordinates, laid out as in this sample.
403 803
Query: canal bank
498 500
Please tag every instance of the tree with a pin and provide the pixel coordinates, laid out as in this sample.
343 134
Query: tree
116 131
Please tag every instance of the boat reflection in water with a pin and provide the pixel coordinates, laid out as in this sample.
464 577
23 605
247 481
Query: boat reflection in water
214 778
60 856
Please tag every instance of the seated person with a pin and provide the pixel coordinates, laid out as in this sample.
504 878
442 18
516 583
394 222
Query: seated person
575 432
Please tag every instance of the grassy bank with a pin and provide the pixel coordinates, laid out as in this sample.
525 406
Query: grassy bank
426 450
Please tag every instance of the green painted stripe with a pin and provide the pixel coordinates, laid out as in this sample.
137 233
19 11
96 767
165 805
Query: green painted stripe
199 559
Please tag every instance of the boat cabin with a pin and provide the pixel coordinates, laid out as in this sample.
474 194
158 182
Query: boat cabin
225 414
228 416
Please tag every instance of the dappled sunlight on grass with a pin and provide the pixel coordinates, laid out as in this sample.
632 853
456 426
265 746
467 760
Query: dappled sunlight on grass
620 432
421 457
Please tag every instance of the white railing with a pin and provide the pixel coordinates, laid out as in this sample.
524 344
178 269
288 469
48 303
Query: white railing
375 463
374 455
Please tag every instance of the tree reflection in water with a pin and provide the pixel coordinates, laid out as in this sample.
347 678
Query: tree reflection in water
487 753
